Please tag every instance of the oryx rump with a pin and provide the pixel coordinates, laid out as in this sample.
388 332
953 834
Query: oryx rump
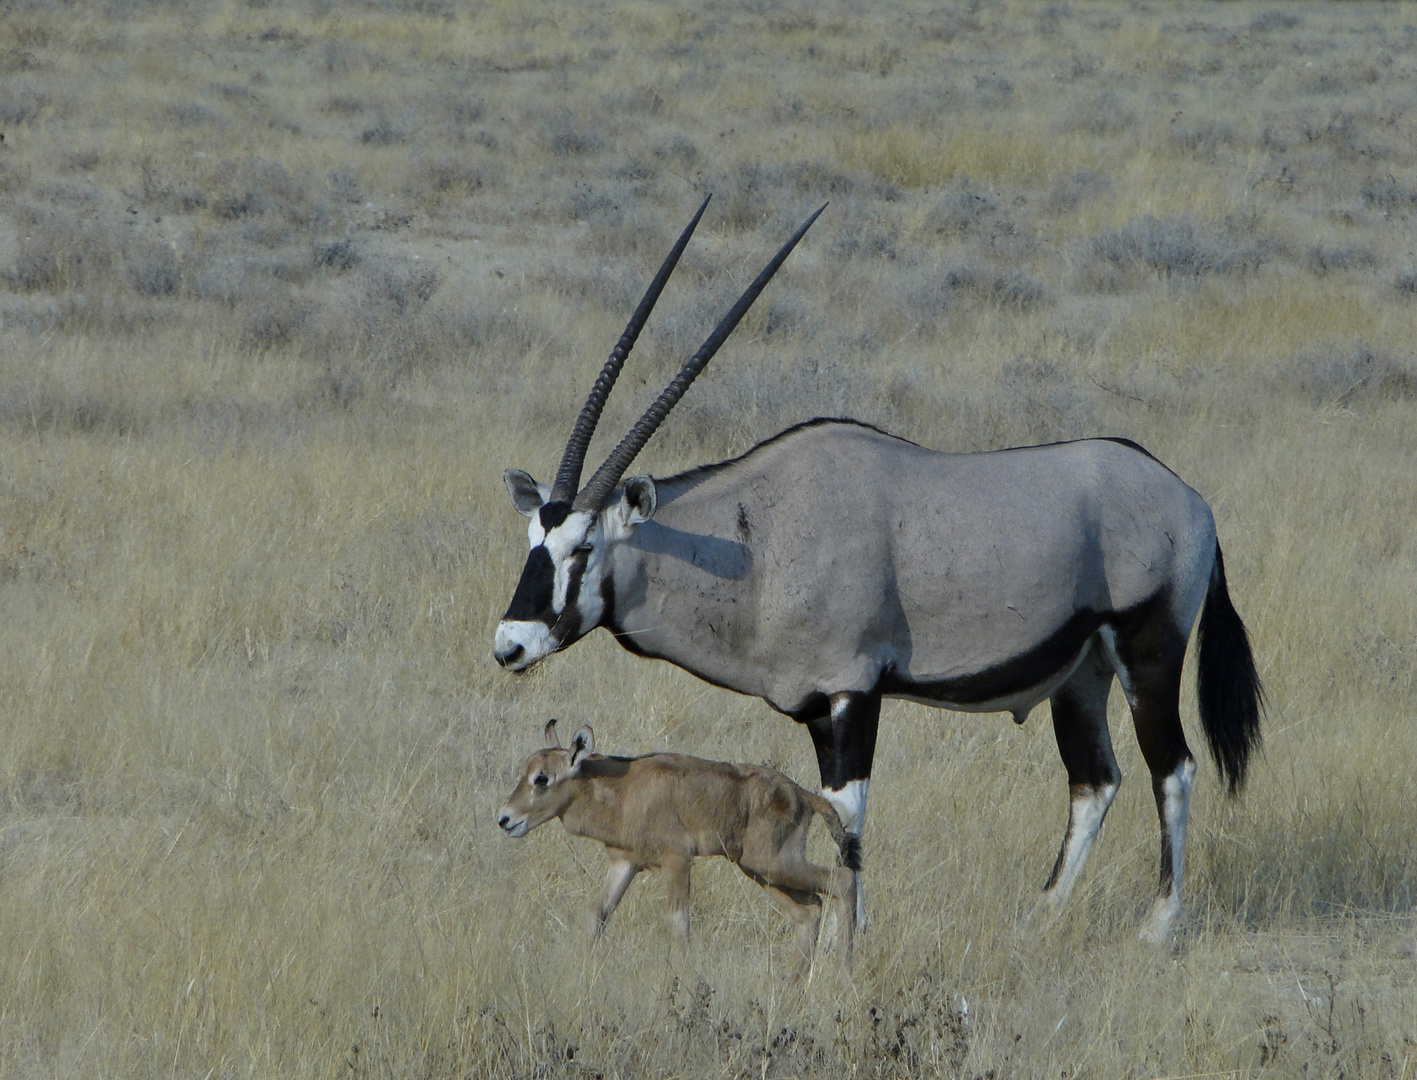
834 565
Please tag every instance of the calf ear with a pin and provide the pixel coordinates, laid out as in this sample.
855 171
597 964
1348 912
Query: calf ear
582 746
527 495
641 499
552 743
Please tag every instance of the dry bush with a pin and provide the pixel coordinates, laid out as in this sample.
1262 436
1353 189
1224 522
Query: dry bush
1357 374
152 268
61 250
1068 192
1388 194
930 294
1324 259
1178 247
1267 21
961 211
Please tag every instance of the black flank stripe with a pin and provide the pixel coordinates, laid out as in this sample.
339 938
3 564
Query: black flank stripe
1031 668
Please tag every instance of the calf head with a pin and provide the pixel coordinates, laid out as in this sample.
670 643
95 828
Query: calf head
542 793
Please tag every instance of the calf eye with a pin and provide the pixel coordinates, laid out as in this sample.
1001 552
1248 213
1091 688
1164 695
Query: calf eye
585 549
540 780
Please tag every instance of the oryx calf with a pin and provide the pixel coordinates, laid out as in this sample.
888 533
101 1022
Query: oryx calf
661 810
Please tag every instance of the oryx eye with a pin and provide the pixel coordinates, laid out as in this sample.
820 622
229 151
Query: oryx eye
540 780
585 549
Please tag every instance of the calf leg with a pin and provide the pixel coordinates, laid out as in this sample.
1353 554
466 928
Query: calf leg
622 871
804 909
1085 745
844 735
1148 661
845 903
797 886
676 872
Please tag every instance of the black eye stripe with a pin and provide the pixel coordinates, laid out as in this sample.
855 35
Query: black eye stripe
573 581
532 600
536 591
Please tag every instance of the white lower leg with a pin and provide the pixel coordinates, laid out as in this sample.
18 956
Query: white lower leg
850 804
1085 814
1175 807
679 925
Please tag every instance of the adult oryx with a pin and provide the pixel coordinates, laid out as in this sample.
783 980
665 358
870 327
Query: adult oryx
834 565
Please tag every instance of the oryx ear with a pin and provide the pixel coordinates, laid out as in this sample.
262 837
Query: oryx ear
552 743
527 495
582 746
641 499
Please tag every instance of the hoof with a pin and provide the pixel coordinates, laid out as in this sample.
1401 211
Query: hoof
1160 925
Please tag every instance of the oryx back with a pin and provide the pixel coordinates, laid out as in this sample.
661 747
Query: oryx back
838 558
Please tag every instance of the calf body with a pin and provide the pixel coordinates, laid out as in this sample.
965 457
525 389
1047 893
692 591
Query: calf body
660 811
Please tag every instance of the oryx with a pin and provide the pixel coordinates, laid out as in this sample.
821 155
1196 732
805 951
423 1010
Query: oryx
833 565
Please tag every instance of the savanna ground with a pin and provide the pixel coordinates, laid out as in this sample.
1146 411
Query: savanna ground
283 289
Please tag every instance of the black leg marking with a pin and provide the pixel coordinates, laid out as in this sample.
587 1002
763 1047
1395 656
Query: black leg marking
1079 709
1151 655
844 735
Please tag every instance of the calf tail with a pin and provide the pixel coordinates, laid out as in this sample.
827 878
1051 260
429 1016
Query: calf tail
848 845
1228 687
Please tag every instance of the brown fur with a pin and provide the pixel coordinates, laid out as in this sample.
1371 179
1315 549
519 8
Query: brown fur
660 811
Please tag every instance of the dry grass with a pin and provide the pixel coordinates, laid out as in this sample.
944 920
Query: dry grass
283 288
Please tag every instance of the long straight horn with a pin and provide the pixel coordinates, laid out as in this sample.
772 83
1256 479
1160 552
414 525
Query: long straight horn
597 492
569 475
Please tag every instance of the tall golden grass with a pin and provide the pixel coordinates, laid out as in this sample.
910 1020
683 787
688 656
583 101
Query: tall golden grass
286 286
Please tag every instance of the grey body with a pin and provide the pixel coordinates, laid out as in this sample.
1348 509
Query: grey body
836 556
